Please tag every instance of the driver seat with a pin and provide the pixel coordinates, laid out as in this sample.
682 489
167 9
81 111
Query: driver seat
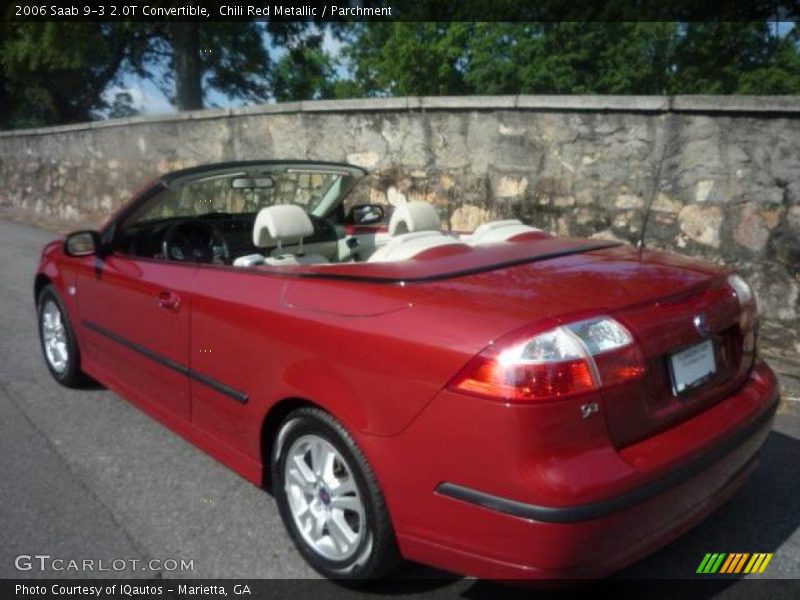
284 224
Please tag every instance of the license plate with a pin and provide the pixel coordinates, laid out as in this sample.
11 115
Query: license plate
692 367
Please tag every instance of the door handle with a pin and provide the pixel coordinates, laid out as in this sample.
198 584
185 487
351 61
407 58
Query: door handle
169 300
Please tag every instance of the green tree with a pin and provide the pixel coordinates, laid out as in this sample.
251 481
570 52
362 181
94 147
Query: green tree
735 58
122 106
187 59
601 58
57 72
569 58
407 58
305 72
780 77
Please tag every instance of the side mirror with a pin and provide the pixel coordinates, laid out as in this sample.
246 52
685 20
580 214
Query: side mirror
82 243
365 214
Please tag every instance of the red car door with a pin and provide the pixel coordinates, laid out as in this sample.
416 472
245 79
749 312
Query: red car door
237 337
135 313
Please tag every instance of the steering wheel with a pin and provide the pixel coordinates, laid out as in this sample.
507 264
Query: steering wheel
195 240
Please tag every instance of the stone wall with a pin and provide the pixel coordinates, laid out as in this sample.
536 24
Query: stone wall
723 173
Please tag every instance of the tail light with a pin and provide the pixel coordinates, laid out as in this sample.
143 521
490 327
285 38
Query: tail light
748 312
563 361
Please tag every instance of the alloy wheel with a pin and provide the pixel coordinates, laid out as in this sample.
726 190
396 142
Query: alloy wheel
324 499
54 337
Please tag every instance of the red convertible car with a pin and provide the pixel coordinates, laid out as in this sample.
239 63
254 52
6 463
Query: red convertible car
502 403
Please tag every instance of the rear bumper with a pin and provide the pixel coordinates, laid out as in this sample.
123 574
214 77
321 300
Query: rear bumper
479 530
599 509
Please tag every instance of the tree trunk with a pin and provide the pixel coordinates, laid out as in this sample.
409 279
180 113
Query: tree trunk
5 117
186 60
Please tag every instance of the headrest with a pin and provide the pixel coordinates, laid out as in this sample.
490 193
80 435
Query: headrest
417 215
287 223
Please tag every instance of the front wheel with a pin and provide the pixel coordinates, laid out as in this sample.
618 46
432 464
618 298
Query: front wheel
329 499
58 342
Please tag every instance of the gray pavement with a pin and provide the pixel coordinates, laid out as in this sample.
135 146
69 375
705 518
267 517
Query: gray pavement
85 475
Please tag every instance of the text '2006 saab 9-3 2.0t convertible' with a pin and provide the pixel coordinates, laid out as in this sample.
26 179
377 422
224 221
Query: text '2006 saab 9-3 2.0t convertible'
502 403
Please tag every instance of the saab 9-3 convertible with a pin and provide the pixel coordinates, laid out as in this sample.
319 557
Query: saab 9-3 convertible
502 403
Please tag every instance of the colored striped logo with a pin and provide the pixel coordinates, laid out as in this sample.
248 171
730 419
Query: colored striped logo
735 562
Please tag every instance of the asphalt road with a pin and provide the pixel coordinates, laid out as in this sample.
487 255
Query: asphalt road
84 474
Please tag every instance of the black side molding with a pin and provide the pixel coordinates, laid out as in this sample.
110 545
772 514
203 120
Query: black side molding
594 510
226 390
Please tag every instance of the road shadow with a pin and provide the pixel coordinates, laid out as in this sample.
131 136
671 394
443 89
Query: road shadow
759 518
87 384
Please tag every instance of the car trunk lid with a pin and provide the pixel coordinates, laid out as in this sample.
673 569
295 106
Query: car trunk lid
657 296
685 321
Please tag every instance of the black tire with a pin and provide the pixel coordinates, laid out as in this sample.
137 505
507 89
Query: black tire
71 376
376 554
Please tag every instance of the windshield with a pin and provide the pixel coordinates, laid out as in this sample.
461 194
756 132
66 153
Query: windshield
245 193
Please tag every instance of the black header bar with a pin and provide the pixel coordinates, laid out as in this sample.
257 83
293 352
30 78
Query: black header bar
401 10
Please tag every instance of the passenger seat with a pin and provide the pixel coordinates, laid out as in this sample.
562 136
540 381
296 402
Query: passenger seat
414 228
284 224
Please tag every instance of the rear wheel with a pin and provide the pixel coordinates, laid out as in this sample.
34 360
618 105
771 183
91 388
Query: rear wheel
58 340
329 499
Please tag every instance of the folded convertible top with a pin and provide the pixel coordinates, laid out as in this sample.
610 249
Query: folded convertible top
466 261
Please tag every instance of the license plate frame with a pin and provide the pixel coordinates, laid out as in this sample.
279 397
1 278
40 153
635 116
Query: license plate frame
692 366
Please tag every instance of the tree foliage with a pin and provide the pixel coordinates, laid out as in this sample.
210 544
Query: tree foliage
122 106
408 58
569 58
53 72
305 72
187 59
57 72
736 58
572 58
